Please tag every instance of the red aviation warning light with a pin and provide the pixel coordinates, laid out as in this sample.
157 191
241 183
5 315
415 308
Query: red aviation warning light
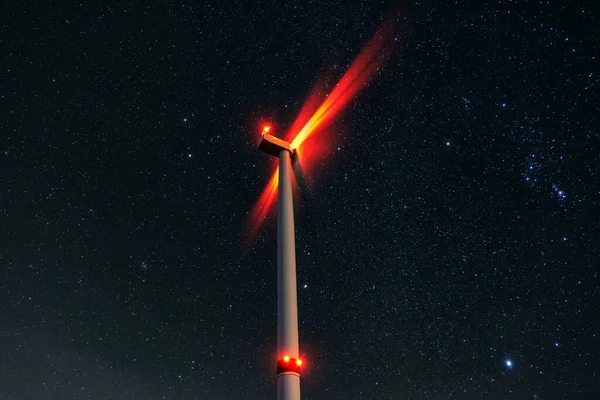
288 364
266 129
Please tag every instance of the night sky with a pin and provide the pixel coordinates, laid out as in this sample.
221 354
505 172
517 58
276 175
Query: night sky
448 247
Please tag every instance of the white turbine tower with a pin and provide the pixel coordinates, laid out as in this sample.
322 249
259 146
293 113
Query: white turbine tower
289 362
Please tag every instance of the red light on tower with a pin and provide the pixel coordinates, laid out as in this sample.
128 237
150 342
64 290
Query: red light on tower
266 129
289 364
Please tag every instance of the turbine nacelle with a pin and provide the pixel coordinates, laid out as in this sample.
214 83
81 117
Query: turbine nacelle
273 146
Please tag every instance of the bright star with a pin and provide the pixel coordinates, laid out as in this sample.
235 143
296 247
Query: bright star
508 363
561 193
185 120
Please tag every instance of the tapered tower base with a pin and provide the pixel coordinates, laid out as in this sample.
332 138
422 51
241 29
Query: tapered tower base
288 386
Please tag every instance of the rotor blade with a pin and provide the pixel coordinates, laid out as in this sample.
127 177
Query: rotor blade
299 175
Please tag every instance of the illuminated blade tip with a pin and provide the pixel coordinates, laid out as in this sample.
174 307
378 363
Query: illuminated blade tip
266 129
286 358
298 362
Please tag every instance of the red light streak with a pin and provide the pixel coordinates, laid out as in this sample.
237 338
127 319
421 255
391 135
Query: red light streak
261 208
368 62
365 66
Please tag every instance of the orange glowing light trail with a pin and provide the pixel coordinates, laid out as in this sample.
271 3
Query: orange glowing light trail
368 62
262 206
372 57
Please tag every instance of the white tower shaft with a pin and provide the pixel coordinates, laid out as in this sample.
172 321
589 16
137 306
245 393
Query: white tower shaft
288 383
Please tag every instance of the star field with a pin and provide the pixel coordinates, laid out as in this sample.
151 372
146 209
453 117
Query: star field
447 248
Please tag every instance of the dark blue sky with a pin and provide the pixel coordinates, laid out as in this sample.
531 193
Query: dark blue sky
448 248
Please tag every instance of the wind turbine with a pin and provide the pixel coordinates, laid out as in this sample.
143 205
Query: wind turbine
289 362
366 65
